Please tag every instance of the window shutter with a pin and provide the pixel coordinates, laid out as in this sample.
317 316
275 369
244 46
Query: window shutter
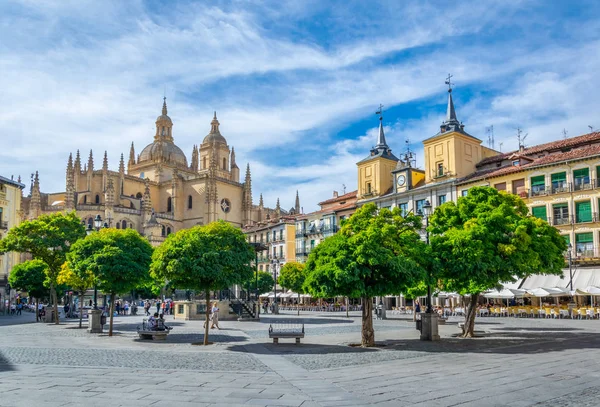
584 238
539 212
559 177
581 173
583 211
538 181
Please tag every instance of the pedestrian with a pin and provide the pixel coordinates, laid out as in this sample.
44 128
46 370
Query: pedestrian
158 306
147 308
215 316
167 307
163 306
19 308
13 309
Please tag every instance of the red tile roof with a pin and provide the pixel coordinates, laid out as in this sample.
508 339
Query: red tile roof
344 197
574 154
540 148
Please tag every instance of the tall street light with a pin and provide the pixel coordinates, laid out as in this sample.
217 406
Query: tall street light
258 247
97 226
427 213
570 267
275 306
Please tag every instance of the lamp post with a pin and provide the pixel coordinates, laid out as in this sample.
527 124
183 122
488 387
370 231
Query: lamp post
429 322
570 267
257 246
97 226
275 306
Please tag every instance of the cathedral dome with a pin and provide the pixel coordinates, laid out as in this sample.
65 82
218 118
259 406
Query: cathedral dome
215 134
166 150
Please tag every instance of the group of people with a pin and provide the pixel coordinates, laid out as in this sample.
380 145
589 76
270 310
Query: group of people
156 322
165 306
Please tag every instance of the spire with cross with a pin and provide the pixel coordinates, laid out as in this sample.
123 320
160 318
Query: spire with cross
449 83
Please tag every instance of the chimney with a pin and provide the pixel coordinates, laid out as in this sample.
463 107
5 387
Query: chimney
335 194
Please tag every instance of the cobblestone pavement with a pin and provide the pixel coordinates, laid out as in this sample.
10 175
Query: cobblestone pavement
515 362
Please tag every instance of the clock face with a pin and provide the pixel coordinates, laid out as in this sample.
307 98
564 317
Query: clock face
401 180
225 205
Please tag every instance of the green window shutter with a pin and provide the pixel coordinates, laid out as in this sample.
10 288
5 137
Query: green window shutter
581 173
567 239
559 177
583 210
538 181
598 172
539 212
584 237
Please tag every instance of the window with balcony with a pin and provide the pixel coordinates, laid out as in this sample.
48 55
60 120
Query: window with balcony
584 244
538 185
583 212
441 199
559 182
281 234
560 213
403 208
518 187
581 179
440 169
539 212
169 204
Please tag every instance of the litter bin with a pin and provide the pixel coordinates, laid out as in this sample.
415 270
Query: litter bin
419 323
103 320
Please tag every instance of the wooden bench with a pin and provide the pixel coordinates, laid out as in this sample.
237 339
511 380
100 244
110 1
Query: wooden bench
159 334
282 330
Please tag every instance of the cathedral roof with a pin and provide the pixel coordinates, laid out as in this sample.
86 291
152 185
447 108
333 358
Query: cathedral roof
165 149
215 134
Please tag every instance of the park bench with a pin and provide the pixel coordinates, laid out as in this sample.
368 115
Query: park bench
282 330
159 334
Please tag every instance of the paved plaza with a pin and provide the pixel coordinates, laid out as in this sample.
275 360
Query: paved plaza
516 362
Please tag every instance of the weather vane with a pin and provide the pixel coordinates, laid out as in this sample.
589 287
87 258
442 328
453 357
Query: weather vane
449 83
380 112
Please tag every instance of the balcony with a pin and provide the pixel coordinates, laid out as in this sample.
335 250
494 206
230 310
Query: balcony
4 225
300 233
539 190
559 188
582 184
558 221
585 254
593 218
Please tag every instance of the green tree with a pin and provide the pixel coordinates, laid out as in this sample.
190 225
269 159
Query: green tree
80 282
265 282
488 238
204 258
119 260
292 276
377 252
48 239
30 276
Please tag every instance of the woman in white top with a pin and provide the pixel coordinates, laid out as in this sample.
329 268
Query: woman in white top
215 316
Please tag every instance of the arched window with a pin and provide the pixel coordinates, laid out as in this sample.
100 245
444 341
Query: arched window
189 202
224 163
169 207
163 130
139 195
163 231
97 199
118 225
124 224
204 162
85 199
168 231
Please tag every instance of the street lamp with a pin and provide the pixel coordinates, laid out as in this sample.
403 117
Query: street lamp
275 265
427 213
258 247
570 267
89 230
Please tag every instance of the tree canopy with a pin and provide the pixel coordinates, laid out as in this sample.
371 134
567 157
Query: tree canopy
48 239
30 276
265 282
77 282
119 260
488 238
377 252
293 276
204 258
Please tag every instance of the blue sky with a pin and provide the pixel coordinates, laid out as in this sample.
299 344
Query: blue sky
295 83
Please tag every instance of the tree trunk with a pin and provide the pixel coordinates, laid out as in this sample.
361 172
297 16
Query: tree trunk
469 327
298 304
368 335
347 306
55 306
80 308
37 312
206 328
112 313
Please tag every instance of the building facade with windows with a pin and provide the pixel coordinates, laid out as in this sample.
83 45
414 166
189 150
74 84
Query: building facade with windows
10 215
314 227
449 155
560 183
158 191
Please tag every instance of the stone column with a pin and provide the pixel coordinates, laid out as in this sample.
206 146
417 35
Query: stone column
94 325
429 327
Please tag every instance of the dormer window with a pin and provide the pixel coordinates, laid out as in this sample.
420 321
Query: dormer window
515 163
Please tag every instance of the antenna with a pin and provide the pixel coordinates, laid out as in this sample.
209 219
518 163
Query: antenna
564 133
501 146
591 128
344 188
521 138
490 132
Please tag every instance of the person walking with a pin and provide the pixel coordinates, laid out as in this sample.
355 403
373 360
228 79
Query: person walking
215 316
19 308
158 306
167 307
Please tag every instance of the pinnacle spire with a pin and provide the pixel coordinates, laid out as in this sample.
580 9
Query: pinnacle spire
131 155
214 124
122 164
77 164
233 164
450 112
105 162
90 165
248 171
70 163
381 143
260 202
297 205
164 108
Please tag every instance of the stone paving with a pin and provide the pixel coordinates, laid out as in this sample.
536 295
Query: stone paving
516 362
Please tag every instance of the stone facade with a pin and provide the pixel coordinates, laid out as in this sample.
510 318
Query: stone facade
157 192
10 215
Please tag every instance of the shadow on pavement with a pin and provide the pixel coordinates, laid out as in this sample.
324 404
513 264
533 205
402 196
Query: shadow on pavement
287 348
5 365
272 319
191 337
